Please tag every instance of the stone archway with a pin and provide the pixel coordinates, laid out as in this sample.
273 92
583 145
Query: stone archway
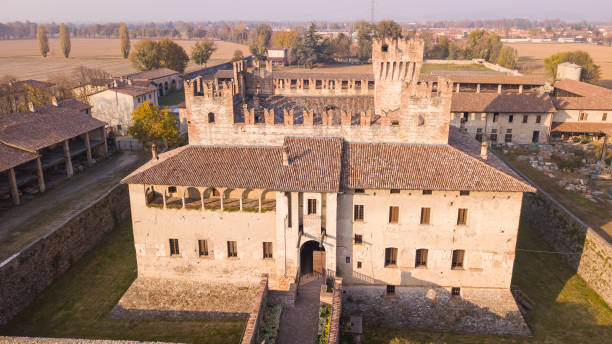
312 258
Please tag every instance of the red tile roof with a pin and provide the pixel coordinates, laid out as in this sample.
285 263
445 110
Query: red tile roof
502 102
582 88
581 127
583 103
46 126
11 156
153 74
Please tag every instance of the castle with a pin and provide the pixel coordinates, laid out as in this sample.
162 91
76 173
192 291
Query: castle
361 177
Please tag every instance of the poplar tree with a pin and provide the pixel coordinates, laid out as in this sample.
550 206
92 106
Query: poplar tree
43 41
64 40
124 37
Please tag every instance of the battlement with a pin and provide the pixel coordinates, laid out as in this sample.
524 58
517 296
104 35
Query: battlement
198 87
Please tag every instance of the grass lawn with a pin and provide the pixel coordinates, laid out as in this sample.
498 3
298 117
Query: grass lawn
428 68
565 311
173 98
77 304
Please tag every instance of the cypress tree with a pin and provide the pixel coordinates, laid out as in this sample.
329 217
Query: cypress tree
64 40
43 41
124 37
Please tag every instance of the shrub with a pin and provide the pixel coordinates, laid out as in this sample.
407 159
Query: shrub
570 163
268 328
324 320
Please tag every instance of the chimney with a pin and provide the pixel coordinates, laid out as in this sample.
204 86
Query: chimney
31 107
154 151
285 156
54 101
483 150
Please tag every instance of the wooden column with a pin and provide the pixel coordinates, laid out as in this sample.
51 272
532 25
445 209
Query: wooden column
41 177
105 143
14 189
520 88
69 170
458 87
88 145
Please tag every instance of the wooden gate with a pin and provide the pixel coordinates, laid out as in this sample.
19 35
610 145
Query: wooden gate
318 261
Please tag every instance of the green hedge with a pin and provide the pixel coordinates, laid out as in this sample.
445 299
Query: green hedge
324 320
268 328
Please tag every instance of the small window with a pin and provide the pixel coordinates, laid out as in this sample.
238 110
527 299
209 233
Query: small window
462 216
174 247
211 117
203 248
524 118
312 206
384 48
393 214
604 116
358 238
390 290
465 117
395 191
495 115
456 291
232 249
427 192
358 265
464 193
583 116
348 260
421 258
390 256
493 136
171 189
457 262
425 215
538 119
359 191
358 216
119 127
508 137
267 250
479 134
510 118
395 123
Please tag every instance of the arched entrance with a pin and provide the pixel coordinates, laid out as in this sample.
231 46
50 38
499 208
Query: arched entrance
312 258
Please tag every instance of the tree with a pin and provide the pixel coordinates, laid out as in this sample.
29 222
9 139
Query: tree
283 39
64 40
124 38
364 40
341 46
508 57
82 75
43 41
388 29
237 55
441 50
154 125
306 49
201 52
260 41
591 72
146 55
172 55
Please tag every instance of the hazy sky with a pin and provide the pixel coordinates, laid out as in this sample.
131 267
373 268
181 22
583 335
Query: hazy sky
200 10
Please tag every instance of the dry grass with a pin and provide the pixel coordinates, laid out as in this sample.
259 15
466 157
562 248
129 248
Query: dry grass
22 59
532 55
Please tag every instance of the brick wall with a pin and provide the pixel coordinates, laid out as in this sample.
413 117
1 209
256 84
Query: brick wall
31 270
334 326
250 333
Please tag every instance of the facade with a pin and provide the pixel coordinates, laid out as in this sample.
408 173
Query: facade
114 105
568 70
278 56
164 79
293 175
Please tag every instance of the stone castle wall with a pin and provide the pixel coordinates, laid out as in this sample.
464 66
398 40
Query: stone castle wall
24 275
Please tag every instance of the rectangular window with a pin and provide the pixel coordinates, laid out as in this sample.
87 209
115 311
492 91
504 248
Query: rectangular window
395 191
267 249
493 137
479 134
203 248
464 193
393 214
425 215
455 291
508 137
358 238
390 290
510 118
495 115
174 247
604 116
359 191
524 118
583 116
171 189
312 206
232 249
421 258
457 259
390 256
462 216
358 216
348 260
538 119
427 192
358 265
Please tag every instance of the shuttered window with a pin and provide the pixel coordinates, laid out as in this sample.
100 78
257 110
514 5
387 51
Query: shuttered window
174 247
267 249
462 216
232 249
425 215
390 256
312 206
393 214
421 258
458 259
203 248
358 216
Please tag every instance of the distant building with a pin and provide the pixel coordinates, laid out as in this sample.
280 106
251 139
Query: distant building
165 79
278 56
568 70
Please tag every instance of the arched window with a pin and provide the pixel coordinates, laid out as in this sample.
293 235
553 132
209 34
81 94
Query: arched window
193 198
211 117
166 85
153 198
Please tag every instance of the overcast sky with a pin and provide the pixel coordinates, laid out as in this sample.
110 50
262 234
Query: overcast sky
82 11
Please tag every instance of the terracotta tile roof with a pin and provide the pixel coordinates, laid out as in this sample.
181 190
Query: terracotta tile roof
314 165
323 75
152 74
583 103
582 88
327 165
456 166
502 102
476 78
48 125
11 156
130 90
581 127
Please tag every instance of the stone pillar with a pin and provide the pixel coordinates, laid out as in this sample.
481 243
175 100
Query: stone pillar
241 201
41 177
499 86
88 145
477 88
69 170
14 189
458 87
520 88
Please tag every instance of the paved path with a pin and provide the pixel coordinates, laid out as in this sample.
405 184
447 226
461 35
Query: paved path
299 324
23 224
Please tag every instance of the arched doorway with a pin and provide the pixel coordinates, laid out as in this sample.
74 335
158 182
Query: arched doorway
312 258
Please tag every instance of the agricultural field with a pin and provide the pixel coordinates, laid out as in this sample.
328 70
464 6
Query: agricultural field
22 59
532 55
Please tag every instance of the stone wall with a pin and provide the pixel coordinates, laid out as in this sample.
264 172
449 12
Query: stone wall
41 340
28 272
250 333
285 298
489 65
334 326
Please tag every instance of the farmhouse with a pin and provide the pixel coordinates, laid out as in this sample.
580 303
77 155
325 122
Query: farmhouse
357 176
165 79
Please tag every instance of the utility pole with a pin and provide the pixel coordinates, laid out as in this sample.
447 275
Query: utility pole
372 12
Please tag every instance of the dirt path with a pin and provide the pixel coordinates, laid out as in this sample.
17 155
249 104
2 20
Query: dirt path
299 324
21 225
